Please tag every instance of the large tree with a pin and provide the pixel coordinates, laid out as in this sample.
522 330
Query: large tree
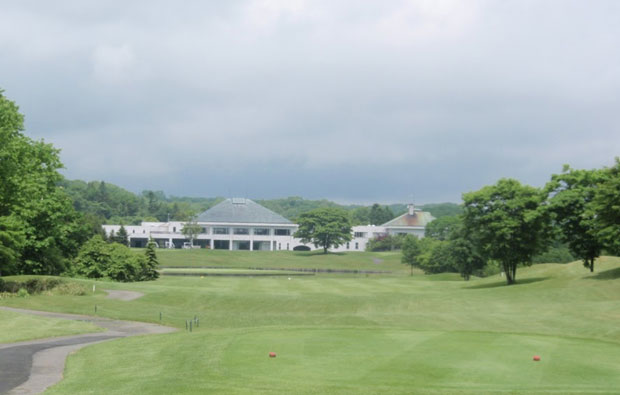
570 197
39 227
324 227
506 223
443 228
606 205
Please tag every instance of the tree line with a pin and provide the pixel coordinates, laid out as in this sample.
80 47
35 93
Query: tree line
106 203
46 219
41 232
509 224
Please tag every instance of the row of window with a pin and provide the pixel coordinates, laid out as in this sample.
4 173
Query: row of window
245 245
259 232
246 231
364 234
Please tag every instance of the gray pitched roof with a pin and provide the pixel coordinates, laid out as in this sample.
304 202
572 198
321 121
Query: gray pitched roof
239 210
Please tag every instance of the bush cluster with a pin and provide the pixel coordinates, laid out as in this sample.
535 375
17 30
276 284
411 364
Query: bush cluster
98 259
32 286
73 289
555 254
385 243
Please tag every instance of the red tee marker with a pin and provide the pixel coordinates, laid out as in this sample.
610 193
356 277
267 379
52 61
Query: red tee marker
536 358
272 355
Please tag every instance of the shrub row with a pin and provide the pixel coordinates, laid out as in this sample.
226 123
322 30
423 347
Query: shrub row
33 285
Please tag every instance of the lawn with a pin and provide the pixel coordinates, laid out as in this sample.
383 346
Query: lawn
344 333
196 271
314 260
15 327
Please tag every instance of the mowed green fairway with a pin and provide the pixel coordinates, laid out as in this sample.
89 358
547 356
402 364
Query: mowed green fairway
357 334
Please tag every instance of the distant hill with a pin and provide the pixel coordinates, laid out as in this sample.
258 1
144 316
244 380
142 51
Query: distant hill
113 204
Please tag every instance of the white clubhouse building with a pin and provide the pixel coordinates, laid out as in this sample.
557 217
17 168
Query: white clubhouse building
242 224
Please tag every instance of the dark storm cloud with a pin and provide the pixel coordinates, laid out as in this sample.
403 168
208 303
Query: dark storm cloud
358 101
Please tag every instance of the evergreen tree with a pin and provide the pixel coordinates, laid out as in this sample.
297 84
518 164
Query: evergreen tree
379 215
150 272
121 237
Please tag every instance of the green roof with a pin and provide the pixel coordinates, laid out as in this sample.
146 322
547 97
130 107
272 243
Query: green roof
240 210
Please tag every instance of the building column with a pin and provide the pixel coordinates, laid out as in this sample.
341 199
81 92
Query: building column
211 243
170 245
271 231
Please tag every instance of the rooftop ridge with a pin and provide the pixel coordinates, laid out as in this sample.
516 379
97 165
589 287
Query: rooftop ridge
241 210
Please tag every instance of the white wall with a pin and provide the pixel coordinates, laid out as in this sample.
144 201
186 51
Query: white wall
173 230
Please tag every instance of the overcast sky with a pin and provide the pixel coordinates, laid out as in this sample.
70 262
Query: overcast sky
355 101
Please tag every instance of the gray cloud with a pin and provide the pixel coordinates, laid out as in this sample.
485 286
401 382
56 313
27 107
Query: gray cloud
357 101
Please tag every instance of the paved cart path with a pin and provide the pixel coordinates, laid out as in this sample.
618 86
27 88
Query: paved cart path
30 367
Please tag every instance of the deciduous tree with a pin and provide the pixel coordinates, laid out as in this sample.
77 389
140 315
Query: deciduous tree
98 259
324 227
411 251
442 228
606 205
570 197
465 257
191 230
507 224
48 230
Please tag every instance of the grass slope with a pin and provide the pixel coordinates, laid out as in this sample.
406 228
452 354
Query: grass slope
16 327
361 261
352 333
